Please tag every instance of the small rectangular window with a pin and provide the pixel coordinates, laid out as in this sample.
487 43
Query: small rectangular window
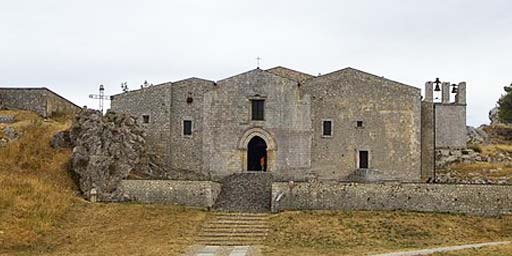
359 124
145 119
187 127
327 128
258 109
363 159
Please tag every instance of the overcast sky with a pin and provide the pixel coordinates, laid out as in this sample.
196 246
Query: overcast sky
73 46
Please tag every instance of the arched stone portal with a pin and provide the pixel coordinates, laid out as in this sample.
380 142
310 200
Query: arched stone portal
257 154
251 147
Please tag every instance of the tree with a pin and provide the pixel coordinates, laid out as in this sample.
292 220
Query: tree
505 105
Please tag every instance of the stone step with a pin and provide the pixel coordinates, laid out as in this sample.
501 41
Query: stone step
230 239
243 227
235 222
205 235
242 214
228 244
230 230
241 219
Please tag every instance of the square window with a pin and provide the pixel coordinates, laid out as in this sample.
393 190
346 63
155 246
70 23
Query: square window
258 109
327 128
359 124
145 119
187 127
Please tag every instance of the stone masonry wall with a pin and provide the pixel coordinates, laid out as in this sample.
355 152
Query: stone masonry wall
292 126
188 103
427 140
450 122
155 102
286 127
391 116
189 193
40 100
450 198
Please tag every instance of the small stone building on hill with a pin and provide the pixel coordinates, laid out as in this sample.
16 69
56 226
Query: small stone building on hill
347 125
40 100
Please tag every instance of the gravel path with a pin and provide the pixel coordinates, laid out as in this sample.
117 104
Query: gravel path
442 249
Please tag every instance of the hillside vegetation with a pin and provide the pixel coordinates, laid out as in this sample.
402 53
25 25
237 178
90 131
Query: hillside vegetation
41 212
493 161
35 191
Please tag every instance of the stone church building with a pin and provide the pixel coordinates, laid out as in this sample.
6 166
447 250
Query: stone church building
347 125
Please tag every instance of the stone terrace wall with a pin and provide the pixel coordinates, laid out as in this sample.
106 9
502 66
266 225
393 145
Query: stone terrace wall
188 193
453 198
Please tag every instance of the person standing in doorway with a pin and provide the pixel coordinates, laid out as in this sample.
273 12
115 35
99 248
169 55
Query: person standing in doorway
262 163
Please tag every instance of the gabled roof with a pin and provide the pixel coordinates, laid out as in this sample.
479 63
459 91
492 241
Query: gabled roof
258 70
190 79
353 70
290 73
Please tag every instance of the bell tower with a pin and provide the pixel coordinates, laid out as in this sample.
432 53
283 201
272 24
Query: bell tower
443 123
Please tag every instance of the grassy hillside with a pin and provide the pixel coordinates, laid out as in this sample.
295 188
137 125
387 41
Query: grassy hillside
35 189
41 212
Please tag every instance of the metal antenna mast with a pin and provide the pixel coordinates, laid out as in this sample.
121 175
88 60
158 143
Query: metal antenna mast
101 97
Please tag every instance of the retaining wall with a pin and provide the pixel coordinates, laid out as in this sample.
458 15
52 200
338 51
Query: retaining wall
450 198
188 193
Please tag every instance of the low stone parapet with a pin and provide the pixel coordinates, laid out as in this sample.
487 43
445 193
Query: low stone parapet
188 193
449 198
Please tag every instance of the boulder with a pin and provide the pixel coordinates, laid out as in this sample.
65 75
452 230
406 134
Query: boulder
476 135
493 116
61 140
106 149
7 119
10 133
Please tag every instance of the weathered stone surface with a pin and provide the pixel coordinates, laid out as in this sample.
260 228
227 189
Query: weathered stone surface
10 133
7 119
493 116
107 148
476 135
245 192
188 193
40 100
453 198
292 125
61 140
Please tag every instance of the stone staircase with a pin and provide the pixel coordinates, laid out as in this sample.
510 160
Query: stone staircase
235 229
245 192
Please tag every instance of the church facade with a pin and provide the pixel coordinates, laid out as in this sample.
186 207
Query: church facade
347 125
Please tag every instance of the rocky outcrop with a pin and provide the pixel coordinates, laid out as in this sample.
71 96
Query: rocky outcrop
445 157
453 177
61 140
476 135
7 135
7 119
493 116
106 149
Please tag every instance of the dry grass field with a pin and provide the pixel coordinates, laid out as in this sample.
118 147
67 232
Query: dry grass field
42 214
359 233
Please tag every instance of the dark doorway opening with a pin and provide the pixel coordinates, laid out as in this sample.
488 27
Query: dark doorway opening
363 159
257 155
